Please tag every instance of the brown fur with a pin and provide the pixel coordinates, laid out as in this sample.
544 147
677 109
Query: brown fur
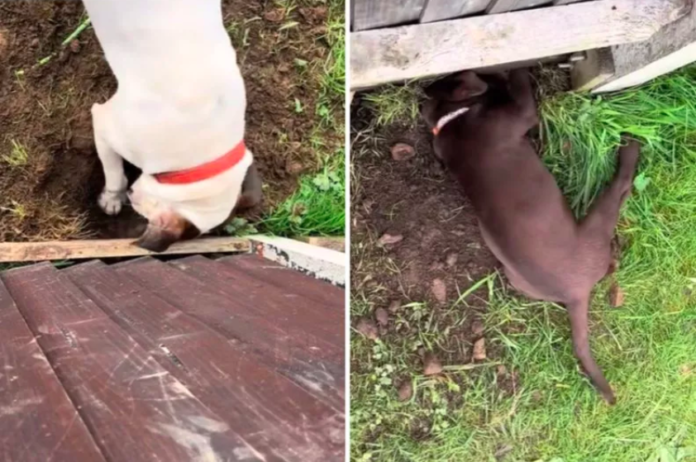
523 216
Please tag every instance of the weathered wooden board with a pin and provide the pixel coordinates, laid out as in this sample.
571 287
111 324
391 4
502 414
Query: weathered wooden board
672 47
503 6
243 391
77 250
370 14
596 69
289 280
139 411
437 10
38 422
305 347
410 52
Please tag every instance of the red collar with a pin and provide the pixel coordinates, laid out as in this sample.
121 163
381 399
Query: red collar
206 171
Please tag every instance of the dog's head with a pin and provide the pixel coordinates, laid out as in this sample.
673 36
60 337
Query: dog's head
447 95
166 222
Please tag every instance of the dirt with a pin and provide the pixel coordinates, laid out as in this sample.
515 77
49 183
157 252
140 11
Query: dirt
45 111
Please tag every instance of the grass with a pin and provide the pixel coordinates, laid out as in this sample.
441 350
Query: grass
646 348
18 155
316 208
395 103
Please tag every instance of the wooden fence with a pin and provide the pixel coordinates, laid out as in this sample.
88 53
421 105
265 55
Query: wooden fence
373 14
623 42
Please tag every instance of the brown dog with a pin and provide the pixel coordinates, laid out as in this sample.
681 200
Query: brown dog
481 129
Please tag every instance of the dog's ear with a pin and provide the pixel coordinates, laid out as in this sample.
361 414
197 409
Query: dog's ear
457 87
165 230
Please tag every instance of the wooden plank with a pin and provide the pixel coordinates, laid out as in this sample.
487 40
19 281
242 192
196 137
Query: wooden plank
503 6
597 68
437 10
270 412
38 422
110 248
136 410
370 14
410 52
288 280
674 46
309 349
318 262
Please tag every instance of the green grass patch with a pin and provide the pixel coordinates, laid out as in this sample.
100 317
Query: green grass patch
317 208
395 103
18 156
647 348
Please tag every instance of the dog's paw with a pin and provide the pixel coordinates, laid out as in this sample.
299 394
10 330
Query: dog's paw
112 202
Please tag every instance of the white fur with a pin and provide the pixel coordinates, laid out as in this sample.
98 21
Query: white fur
180 103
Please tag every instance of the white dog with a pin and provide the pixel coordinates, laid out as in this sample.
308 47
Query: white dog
178 115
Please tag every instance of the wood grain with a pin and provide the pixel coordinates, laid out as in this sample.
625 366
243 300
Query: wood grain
410 52
306 347
503 6
270 412
437 10
288 280
370 14
38 422
77 250
139 411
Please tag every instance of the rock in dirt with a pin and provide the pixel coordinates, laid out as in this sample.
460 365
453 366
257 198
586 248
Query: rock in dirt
405 391
394 306
439 290
402 151
390 239
431 365
75 46
477 328
382 317
293 167
276 15
367 328
480 349
452 259
616 296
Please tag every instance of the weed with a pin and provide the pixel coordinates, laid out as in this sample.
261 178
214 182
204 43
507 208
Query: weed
18 155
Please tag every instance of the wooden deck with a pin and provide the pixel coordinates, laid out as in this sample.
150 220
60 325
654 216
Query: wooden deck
237 359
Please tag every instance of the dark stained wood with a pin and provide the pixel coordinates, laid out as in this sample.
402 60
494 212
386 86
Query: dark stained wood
38 422
138 410
370 14
291 281
239 309
276 416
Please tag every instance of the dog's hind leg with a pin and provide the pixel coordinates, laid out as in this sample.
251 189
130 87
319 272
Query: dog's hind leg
600 222
113 196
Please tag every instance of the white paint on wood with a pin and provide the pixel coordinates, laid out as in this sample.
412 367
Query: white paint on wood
326 264
411 52
78 250
674 46
437 10
370 14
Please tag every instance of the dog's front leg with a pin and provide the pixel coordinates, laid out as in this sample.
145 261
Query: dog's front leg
521 91
113 196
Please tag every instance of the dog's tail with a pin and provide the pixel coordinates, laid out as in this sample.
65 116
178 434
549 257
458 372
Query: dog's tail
578 311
